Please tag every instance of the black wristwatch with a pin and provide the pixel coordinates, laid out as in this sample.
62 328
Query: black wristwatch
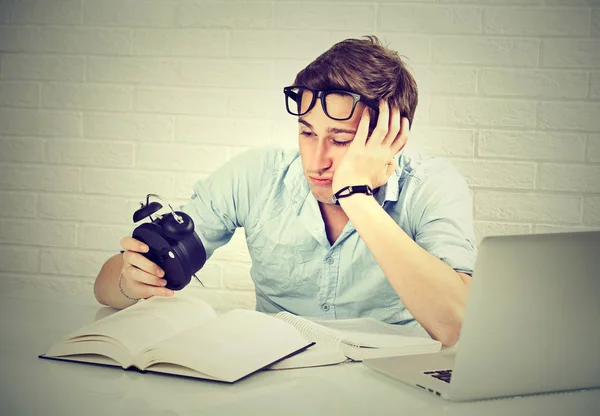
346 191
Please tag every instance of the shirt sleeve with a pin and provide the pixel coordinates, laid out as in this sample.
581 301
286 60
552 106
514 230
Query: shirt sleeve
442 216
226 199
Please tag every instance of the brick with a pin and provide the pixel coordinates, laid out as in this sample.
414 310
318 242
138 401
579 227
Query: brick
487 228
533 83
591 210
138 127
87 97
85 263
595 31
88 208
19 259
235 250
593 148
211 275
279 44
263 104
575 3
87 41
21 149
495 2
45 12
552 228
527 207
536 22
19 39
423 110
497 174
486 51
228 74
18 205
412 49
236 276
178 157
130 183
184 185
102 237
284 133
569 116
325 16
577 54
224 131
442 142
225 15
595 85
180 101
482 112
531 145
146 13
42 67
574 178
40 178
445 80
132 70
430 19
42 123
180 42
38 233
86 153
19 94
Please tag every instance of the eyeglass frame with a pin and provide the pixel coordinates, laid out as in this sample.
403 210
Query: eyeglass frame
321 94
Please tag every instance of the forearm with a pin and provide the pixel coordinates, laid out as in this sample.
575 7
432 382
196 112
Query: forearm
106 287
430 289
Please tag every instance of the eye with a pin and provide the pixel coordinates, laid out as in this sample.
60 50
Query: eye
306 133
342 144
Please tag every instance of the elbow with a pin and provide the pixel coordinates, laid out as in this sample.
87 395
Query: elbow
449 337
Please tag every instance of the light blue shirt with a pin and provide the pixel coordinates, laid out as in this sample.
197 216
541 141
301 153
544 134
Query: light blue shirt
294 267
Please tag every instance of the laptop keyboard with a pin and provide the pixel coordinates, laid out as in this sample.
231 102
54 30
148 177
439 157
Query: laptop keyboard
443 375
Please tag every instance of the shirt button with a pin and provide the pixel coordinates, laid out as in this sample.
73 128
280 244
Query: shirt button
329 260
325 307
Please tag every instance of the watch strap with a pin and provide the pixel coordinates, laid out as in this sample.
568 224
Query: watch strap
347 191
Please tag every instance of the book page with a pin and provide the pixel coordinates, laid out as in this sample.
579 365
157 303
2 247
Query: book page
145 323
371 333
312 331
229 347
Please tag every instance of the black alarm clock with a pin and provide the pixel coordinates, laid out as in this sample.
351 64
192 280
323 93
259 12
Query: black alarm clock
173 244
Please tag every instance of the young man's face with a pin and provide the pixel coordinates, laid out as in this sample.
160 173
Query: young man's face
324 141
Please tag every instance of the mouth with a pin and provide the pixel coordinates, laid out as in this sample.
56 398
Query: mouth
321 181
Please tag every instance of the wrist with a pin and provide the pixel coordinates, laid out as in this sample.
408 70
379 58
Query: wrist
350 191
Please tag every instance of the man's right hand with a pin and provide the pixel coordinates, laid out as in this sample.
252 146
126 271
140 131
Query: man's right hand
141 277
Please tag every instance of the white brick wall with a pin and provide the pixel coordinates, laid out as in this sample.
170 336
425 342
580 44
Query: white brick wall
103 101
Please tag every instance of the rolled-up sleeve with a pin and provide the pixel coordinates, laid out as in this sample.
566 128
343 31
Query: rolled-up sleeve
442 216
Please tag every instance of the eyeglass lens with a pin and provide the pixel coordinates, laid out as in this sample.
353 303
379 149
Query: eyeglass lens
337 105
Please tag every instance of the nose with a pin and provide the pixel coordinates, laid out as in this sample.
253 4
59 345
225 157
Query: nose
321 158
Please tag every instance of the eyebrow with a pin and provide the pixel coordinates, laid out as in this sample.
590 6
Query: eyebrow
329 130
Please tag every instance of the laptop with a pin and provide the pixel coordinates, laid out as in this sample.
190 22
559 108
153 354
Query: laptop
531 325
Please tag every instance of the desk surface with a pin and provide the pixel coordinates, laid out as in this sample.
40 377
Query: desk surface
31 322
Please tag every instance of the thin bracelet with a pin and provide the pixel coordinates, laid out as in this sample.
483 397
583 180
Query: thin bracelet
122 292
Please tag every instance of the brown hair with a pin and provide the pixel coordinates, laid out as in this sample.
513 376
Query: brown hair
366 67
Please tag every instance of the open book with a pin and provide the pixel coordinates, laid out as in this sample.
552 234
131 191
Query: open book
183 335
353 339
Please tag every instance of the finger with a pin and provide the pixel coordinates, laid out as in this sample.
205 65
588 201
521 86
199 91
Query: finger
141 290
134 274
141 262
360 138
381 128
130 243
394 127
401 139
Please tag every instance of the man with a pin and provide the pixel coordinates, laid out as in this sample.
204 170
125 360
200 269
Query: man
398 245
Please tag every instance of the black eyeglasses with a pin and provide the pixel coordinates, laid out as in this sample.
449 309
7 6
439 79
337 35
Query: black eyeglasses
337 104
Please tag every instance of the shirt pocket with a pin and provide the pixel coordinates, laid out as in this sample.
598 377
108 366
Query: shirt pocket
282 267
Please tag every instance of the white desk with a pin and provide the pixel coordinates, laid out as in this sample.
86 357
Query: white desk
32 386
